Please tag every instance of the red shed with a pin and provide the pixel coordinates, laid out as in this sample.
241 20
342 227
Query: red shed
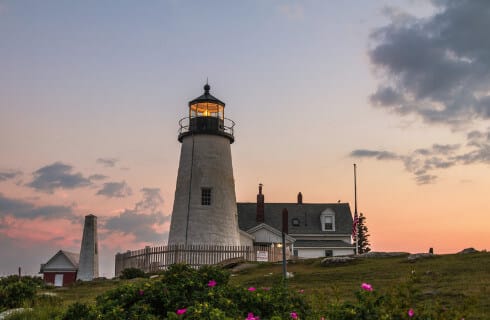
61 269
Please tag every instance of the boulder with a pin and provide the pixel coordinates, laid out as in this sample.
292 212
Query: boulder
336 260
374 254
230 263
418 256
468 250
9 312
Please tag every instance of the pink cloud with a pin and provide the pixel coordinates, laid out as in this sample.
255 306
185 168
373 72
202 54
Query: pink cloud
28 232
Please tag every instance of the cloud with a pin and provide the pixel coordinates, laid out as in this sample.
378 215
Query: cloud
142 221
97 177
57 176
379 155
9 174
423 162
292 11
437 67
115 190
25 210
107 162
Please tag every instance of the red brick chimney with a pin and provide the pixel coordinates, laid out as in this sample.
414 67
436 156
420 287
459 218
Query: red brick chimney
260 206
300 198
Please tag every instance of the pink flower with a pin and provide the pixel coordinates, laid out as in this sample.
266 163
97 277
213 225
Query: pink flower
266 288
251 289
301 291
211 283
410 312
181 311
367 287
294 315
141 292
251 316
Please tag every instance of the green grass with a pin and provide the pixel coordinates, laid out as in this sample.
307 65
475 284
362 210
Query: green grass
459 281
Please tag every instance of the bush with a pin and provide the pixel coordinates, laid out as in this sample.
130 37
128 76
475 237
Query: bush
15 294
80 311
132 273
203 293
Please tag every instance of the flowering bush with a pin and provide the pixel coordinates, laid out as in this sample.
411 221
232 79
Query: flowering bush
183 292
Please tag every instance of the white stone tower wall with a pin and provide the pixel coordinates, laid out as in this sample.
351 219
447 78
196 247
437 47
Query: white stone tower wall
206 159
88 268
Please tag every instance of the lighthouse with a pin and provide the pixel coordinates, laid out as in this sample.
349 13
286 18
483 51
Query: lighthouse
205 209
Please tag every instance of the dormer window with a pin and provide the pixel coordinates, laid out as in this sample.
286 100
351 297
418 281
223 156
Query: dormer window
327 220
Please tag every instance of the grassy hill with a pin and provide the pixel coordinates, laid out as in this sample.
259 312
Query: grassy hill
459 281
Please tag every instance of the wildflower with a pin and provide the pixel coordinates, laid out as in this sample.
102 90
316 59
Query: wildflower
251 316
211 283
410 312
181 311
251 289
301 291
294 315
367 287
266 288
141 292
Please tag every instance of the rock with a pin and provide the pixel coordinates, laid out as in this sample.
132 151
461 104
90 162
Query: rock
230 263
418 256
243 266
374 254
336 260
154 276
468 250
7 313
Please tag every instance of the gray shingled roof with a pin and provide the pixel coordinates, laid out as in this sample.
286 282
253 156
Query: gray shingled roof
322 244
73 257
307 213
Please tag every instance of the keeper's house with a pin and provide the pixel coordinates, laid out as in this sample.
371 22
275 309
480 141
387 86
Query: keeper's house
315 229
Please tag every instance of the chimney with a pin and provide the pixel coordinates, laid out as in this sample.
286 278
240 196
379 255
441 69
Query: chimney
300 198
260 206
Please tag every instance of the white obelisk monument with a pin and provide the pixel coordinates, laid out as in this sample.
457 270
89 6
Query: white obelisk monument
88 268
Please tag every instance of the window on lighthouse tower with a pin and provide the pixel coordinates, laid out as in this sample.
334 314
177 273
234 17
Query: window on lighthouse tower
206 196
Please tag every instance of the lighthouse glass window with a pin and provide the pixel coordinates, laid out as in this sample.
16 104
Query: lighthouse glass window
206 196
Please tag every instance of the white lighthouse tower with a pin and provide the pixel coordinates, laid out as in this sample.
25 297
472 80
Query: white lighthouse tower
205 210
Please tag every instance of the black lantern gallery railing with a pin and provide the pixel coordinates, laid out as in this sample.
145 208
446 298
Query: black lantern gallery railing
209 125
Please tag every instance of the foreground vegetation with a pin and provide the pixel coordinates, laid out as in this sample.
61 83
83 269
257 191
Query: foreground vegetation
442 287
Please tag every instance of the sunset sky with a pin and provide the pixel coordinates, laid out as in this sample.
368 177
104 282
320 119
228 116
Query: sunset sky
91 93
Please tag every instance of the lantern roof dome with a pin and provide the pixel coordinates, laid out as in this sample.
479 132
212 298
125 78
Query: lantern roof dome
207 97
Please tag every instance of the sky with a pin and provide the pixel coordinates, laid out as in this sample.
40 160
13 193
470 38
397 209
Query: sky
91 93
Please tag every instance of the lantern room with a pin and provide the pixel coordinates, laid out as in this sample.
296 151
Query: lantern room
206 116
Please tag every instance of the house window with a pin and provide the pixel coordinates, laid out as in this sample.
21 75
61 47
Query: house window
328 253
206 196
327 220
328 224
295 252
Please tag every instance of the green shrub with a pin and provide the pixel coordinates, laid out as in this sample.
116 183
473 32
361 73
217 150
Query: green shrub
16 294
132 273
80 311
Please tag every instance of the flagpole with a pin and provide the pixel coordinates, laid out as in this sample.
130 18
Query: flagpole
355 211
